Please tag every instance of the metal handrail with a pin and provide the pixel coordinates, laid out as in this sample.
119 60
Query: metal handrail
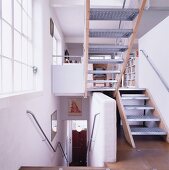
156 70
61 148
50 144
91 138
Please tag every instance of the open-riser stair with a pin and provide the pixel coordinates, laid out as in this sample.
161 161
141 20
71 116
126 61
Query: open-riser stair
139 114
105 63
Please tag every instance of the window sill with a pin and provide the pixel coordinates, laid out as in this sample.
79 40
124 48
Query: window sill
7 99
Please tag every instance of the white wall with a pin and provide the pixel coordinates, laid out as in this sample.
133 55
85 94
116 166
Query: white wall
155 45
103 148
20 141
68 79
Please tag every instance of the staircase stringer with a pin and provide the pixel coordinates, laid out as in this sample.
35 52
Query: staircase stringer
157 113
86 43
126 127
131 42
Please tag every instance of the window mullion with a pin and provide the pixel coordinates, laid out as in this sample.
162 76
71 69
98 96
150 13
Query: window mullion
12 46
1 45
21 46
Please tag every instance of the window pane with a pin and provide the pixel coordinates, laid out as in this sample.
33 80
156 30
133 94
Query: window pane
17 46
24 77
30 58
0 36
24 23
30 8
25 5
17 16
0 77
30 78
29 28
6 75
17 76
24 50
7 10
6 40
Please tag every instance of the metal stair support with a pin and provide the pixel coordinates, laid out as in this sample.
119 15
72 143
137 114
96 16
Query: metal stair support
110 33
113 14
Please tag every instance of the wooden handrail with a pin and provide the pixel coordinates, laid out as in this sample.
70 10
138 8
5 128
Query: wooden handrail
131 42
86 43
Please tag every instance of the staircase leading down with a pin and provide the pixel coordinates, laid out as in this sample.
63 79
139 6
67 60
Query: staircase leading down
107 50
139 114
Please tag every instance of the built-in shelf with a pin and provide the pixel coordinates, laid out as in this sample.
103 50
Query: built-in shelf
129 74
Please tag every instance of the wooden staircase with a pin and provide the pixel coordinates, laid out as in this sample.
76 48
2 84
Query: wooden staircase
109 79
139 115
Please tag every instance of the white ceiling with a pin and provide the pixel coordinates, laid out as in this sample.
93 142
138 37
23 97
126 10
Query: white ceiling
70 14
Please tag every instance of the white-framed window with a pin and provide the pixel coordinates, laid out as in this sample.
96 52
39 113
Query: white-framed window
16 47
57 48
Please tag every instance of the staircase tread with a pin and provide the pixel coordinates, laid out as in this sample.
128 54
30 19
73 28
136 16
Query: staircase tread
142 118
110 33
113 14
131 89
103 81
101 89
103 71
135 97
105 61
138 107
147 131
106 48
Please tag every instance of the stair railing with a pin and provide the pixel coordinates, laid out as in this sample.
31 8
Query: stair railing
35 119
131 42
156 70
59 145
91 137
63 153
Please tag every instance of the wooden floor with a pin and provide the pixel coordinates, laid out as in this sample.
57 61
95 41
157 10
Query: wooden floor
151 153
